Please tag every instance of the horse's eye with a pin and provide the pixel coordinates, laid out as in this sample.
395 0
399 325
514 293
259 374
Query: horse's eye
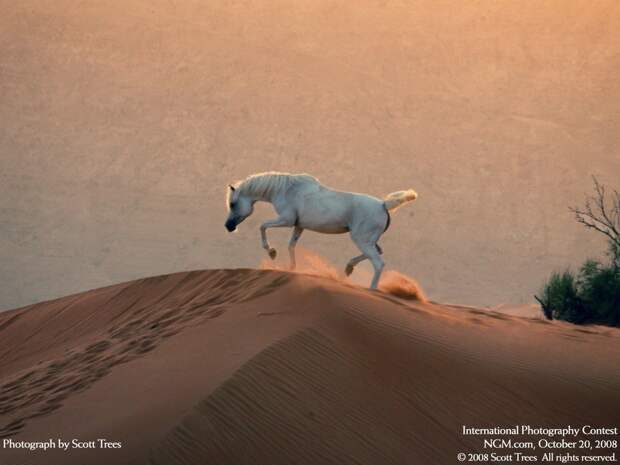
232 205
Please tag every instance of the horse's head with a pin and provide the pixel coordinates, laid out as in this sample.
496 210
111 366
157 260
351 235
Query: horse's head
240 206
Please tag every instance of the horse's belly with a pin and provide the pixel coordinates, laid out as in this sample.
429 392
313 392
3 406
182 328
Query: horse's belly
324 213
327 229
324 225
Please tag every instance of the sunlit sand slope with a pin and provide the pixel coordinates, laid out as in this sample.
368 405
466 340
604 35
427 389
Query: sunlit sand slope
262 366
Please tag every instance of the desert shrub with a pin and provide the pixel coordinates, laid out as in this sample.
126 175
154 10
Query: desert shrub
599 290
593 294
559 296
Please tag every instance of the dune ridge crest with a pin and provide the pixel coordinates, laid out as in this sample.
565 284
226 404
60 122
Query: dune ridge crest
392 282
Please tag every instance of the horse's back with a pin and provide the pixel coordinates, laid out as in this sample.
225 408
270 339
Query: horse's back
322 209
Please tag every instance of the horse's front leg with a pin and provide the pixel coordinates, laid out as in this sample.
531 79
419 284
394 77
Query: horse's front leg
281 222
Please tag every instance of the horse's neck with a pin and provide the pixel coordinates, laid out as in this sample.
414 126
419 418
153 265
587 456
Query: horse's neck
270 195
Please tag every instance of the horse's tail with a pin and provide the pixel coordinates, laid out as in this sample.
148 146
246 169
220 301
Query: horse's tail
396 199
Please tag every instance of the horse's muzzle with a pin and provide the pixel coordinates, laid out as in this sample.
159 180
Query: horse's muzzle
230 225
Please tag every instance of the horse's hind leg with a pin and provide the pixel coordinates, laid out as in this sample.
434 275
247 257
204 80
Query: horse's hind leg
292 243
356 260
367 243
377 263
353 262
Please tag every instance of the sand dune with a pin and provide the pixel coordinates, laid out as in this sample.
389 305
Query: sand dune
267 367
523 310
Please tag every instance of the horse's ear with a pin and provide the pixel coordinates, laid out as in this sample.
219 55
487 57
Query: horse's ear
232 188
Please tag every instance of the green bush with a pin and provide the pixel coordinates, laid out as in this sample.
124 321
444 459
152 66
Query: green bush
592 296
600 292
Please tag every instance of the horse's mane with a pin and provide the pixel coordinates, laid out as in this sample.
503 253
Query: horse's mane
265 184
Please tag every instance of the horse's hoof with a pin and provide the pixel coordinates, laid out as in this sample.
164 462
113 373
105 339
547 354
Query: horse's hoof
272 253
348 270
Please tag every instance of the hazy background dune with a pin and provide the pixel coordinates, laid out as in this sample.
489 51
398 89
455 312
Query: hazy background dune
121 123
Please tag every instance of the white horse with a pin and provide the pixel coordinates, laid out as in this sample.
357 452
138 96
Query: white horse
303 203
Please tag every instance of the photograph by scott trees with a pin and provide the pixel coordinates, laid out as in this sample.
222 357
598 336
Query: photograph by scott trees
322 232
